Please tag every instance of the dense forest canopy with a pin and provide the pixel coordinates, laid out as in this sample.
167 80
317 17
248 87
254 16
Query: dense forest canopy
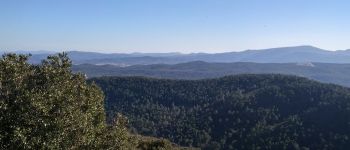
234 112
46 106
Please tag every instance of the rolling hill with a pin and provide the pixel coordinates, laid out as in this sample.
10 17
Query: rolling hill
324 72
234 112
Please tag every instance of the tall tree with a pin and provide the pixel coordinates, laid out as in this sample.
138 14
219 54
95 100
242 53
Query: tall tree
46 106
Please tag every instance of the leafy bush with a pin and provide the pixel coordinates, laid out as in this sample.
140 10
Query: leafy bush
46 106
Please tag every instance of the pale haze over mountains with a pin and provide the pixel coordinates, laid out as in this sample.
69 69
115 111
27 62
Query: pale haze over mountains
306 61
272 55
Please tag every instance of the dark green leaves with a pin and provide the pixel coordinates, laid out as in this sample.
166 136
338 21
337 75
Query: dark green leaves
46 106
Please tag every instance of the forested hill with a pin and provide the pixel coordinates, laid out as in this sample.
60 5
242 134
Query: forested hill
234 112
324 72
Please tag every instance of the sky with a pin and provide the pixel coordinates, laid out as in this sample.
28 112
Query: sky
211 26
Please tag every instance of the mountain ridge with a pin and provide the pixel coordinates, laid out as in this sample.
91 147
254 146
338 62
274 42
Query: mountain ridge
272 55
323 72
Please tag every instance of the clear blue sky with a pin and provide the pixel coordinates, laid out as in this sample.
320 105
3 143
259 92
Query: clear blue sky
172 25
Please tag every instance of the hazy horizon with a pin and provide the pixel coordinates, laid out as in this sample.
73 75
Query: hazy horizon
158 26
135 52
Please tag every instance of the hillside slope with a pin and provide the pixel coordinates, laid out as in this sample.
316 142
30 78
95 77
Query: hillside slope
234 112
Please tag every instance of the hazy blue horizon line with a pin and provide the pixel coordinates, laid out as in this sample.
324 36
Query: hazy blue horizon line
175 52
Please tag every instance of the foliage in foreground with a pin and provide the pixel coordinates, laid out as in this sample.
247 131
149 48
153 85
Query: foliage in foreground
46 106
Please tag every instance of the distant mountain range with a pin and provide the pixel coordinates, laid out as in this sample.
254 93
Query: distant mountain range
307 61
273 55
324 72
